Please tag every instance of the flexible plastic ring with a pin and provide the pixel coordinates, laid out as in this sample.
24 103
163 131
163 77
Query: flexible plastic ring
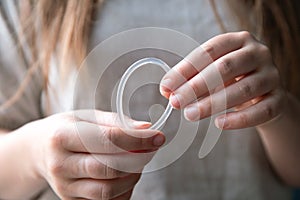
119 101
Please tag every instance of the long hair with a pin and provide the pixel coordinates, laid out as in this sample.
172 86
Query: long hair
47 28
62 27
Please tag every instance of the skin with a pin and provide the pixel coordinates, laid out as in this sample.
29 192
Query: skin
240 75
78 155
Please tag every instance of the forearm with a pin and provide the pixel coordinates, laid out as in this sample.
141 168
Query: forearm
281 138
18 177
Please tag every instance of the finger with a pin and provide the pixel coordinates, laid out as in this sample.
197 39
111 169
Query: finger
107 119
102 189
248 88
102 166
201 57
263 111
125 196
92 138
226 69
126 162
248 103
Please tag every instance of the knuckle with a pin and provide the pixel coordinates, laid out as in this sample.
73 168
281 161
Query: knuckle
264 50
268 111
96 192
106 191
210 50
102 169
251 53
243 119
57 138
225 67
274 76
93 168
259 85
205 108
109 133
110 139
245 89
111 168
182 73
56 167
110 172
194 85
245 35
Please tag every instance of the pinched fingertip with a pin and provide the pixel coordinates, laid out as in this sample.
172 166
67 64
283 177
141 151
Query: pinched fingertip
141 124
166 87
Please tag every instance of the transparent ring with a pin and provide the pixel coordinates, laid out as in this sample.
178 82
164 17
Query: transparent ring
119 101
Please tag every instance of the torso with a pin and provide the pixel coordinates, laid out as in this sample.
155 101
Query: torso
237 168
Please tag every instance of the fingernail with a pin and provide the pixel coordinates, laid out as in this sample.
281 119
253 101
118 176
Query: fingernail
191 113
158 140
166 85
141 124
175 100
221 122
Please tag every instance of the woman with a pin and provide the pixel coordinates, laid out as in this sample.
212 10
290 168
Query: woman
48 150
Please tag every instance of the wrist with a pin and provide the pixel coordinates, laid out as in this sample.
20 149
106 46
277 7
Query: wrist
19 165
280 138
31 152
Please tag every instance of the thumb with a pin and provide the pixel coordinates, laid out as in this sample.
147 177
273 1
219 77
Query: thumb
108 119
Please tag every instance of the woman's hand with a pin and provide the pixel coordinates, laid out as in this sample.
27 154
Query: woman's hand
85 155
232 70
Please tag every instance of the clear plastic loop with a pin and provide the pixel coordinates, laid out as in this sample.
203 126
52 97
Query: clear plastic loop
119 101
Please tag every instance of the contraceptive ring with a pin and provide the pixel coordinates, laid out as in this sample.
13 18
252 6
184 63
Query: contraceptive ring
120 91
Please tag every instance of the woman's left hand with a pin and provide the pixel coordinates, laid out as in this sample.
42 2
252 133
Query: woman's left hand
232 70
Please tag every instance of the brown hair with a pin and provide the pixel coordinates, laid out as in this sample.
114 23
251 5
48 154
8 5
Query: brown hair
47 24
276 23
53 27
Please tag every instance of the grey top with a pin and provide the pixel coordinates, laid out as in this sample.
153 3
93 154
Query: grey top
237 168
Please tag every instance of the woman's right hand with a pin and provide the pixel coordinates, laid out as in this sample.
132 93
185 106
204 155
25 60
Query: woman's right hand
85 155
